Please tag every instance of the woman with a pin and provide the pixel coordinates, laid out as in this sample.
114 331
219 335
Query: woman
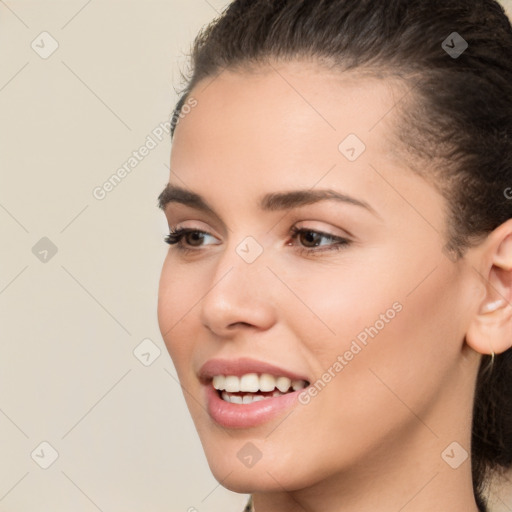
336 296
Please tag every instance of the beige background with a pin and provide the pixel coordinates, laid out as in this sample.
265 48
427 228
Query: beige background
71 322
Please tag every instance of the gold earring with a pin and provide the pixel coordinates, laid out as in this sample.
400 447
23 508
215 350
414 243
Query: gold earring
490 366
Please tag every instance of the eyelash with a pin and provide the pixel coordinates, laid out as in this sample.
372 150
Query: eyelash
175 237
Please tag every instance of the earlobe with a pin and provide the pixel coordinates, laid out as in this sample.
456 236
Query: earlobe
490 330
490 307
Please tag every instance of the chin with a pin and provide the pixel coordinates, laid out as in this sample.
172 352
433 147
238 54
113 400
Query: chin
263 476
247 481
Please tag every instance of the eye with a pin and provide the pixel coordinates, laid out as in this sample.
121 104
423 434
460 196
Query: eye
175 237
310 240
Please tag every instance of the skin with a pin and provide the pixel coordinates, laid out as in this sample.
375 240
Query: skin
372 439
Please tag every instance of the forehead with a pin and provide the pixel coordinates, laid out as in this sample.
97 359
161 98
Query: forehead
285 125
286 112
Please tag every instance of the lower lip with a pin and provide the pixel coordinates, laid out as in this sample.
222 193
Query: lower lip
231 415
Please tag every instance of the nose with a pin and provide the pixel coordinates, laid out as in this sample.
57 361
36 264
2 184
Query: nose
239 296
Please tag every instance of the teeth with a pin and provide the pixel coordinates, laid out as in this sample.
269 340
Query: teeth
218 381
283 384
252 383
267 382
246 399
298 384
232 384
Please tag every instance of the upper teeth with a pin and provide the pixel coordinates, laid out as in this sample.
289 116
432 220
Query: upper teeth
252 382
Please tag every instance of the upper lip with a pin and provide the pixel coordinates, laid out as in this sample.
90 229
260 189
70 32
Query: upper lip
242 366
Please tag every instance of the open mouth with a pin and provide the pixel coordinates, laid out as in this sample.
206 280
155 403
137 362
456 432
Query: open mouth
253 387
245 393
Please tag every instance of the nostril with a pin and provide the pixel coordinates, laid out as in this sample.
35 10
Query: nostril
238 324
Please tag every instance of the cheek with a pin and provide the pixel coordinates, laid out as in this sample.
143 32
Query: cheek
334 305
380 308
177 295
393 342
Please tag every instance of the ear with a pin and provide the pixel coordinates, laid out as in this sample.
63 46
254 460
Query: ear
491 327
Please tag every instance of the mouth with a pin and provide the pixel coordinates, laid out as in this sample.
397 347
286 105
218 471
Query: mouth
246 393
251 387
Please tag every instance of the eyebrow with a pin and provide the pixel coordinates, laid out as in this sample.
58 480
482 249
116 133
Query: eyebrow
273 201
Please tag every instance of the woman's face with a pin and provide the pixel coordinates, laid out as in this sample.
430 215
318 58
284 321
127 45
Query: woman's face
363 304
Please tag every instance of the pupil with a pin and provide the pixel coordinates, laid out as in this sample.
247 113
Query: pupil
197 237
310 235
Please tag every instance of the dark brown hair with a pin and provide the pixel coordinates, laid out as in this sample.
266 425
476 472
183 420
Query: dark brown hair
455 127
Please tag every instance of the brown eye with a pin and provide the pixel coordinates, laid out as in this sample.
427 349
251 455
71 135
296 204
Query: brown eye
310 238
185 238
310 241
192 237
